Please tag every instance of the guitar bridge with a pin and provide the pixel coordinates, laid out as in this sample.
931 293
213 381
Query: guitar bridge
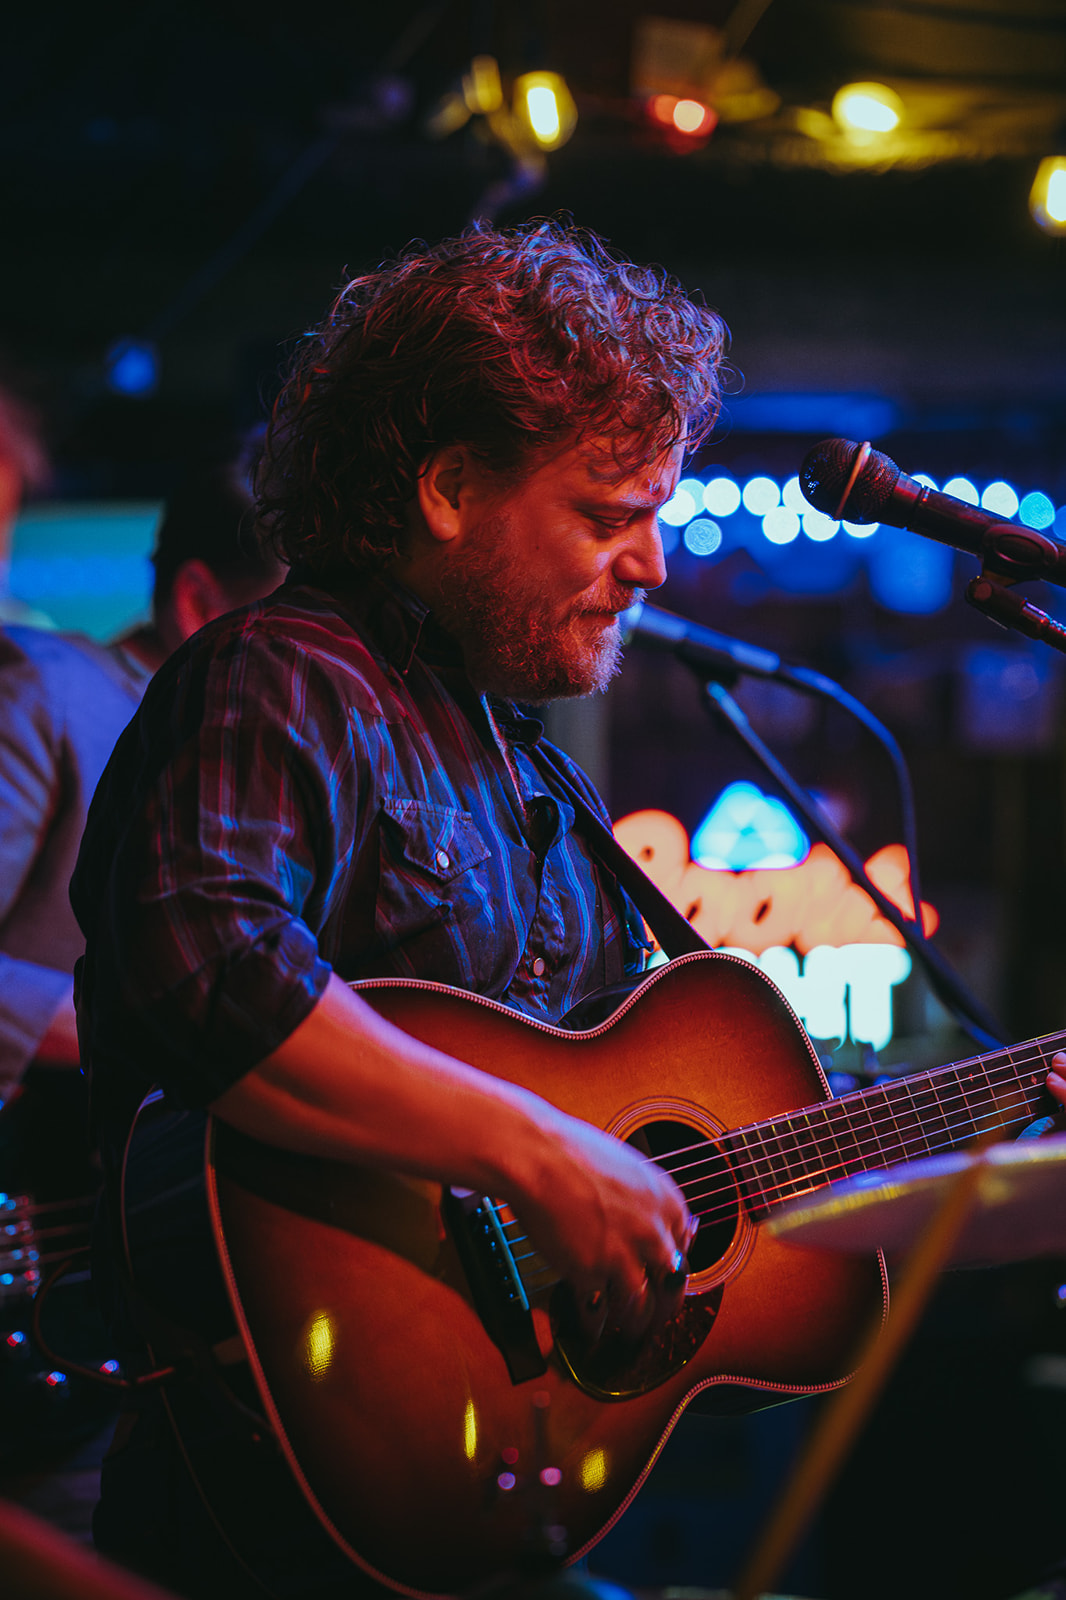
496 1285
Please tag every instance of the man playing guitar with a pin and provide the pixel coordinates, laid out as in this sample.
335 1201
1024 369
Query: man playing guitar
464 473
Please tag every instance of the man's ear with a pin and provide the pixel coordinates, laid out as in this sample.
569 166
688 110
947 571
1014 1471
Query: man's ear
444 487
196 598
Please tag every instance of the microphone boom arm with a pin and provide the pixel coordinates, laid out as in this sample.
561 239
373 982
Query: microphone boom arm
948 986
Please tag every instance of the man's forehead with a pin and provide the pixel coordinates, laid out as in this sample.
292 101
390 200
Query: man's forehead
604 465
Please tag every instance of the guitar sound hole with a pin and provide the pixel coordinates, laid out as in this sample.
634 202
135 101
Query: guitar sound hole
705 1179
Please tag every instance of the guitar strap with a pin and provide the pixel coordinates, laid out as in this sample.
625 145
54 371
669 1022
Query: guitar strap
675 933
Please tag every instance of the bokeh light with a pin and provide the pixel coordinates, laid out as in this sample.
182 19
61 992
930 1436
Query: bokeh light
721 497
703 537
962 489
679 509
1000 498
760 495
819 527
781 525
1036 510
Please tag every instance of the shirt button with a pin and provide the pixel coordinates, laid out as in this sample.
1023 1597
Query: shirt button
538 967
444 860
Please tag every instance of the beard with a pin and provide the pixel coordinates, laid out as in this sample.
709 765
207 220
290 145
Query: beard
515 644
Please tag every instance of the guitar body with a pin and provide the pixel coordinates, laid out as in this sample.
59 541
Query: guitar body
428 1460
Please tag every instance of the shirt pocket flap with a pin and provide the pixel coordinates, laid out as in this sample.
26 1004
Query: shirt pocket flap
438 840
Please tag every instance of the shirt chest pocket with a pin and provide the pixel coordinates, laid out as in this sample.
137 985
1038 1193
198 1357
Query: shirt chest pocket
436 893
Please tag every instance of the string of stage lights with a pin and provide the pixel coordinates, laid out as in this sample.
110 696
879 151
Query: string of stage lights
802 549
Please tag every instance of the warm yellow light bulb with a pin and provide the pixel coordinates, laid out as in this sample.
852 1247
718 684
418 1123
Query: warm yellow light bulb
1047 197
592 1471
867 108
319 1342
482 89
546 106
470 1431
543 109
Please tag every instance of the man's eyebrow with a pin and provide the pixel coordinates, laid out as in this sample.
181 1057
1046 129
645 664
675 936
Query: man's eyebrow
629 502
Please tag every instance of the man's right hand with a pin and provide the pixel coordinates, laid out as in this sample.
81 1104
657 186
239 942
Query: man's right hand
612 1223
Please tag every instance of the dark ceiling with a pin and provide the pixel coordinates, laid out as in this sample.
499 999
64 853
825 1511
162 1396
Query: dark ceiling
204 175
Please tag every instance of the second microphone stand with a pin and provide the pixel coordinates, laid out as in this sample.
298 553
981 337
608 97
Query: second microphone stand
946 983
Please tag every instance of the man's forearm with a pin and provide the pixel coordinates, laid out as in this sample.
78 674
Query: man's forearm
350 1086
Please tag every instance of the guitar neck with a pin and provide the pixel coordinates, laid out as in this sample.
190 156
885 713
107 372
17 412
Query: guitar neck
904 1120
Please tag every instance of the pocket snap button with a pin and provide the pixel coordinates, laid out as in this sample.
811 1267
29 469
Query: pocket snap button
444 860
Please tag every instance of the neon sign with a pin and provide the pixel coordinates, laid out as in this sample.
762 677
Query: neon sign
809 926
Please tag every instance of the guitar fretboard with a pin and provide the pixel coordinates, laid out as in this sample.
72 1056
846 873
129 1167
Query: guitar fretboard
903 1120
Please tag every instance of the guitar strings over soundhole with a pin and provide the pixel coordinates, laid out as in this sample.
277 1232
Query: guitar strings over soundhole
706 1180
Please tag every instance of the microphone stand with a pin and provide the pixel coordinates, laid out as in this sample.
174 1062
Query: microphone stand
990 594
947 985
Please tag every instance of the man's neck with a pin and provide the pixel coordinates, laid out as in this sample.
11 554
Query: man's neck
145 646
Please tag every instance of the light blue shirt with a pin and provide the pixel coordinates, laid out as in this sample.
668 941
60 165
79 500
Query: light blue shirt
63 702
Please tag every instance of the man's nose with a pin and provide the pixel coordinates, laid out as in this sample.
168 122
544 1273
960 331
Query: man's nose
641 561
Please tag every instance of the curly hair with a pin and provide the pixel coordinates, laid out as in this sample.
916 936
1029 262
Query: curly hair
514 343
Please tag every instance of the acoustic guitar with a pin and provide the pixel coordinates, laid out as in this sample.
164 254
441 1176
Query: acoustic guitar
425 1373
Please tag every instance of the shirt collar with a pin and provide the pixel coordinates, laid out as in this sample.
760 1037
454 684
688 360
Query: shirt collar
403 627
397 622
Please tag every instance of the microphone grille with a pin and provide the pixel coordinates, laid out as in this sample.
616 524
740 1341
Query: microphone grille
824 476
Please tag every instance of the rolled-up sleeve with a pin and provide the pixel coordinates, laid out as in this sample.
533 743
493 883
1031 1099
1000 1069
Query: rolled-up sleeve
30 991
210 853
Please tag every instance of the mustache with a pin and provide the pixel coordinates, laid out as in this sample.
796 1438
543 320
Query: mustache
617 597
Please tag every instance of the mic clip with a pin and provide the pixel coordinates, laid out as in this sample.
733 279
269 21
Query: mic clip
990 594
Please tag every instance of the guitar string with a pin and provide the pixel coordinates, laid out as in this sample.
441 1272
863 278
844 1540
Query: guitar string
877 1101
775 1192
733 1202
879 1114
841 1139
862 1145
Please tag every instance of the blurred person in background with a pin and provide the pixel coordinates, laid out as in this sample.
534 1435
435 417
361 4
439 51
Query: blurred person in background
24 472
64 700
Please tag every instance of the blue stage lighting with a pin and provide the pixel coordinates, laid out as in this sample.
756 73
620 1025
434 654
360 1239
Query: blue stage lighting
793 497
817 526
962 489
911 574
855 416
760 495
780 525
132 367
721 497
1036 510
745 829
680 508
1000 499
703 537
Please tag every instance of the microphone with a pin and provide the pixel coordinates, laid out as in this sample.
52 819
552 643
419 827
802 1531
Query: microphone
845 479
700 647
